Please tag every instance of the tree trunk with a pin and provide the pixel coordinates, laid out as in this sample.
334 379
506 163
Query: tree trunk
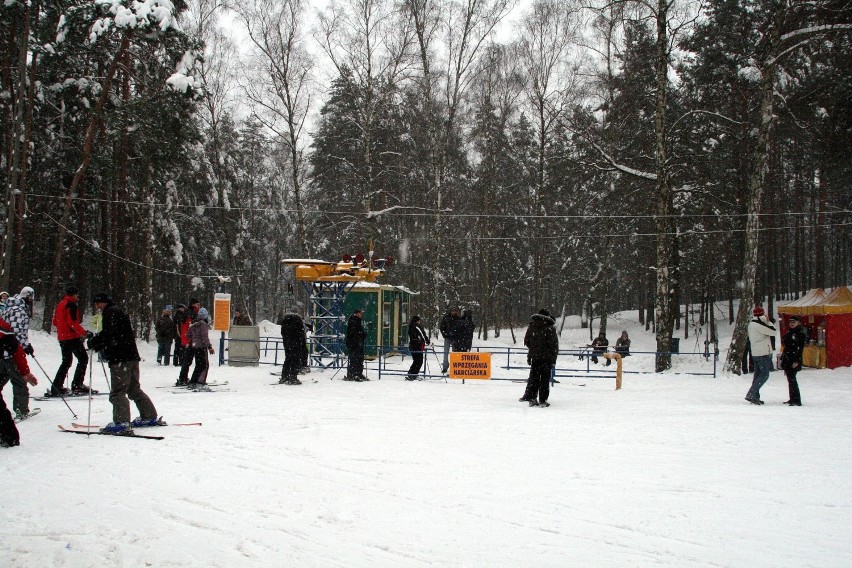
80 174
756 189
664 313
15 164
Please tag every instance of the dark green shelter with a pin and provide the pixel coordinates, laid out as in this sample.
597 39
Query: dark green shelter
387 310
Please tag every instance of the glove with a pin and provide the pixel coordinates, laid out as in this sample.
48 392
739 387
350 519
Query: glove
29 350
89 335
96 343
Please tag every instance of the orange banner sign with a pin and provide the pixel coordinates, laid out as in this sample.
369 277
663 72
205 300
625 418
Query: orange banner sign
222 312
470 366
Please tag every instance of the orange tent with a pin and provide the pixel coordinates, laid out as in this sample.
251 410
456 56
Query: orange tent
827 318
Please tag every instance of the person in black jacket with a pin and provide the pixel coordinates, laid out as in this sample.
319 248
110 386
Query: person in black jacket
355 337
118 344
165 332
793 343
543 346
599 346
293 337
417 342
448 327
463 332
181 317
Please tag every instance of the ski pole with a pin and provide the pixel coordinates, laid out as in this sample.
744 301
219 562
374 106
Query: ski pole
106 377
51 385
89 419
346 364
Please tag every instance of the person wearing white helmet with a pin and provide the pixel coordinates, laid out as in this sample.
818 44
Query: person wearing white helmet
17 313
198 337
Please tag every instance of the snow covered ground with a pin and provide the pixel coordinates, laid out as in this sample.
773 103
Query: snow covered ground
673 470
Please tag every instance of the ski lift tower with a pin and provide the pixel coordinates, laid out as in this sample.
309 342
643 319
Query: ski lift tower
327 284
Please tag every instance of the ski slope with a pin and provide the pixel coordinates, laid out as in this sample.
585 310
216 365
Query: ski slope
671 471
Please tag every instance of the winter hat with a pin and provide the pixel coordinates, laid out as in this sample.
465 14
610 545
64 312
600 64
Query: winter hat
168 308
193 301
26 292
71 290
757 311
4 292
181 306
544 312
202 313
102 297
795 319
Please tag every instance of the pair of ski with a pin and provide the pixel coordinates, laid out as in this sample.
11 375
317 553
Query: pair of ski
90 429
69 395
30 414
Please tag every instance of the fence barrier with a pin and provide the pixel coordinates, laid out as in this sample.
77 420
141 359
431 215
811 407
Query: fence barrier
272 353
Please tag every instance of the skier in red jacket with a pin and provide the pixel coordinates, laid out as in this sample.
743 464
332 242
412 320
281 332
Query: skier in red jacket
71 335
9 344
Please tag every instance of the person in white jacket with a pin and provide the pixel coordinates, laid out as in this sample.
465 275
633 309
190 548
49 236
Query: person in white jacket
760 330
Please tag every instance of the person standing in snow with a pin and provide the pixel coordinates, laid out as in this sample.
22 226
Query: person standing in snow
71 335
118 344
793 344
447 327
759 332
187 357
9 435
241 318
543 345
4 296
355 338
417 342
199 348
181 325
293 338
165 331
463 332
17 315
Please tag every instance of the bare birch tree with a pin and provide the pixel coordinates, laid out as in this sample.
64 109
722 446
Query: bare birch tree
282 95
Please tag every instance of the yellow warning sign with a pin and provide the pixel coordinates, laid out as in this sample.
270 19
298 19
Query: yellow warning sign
222 312
470 366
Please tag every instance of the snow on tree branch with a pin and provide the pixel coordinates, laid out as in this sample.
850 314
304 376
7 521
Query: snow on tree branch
621 167
815 29
183 77
141 14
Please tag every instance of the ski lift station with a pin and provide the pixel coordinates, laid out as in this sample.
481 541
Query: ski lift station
335 290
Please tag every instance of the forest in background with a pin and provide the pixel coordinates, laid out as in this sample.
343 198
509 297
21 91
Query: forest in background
596 156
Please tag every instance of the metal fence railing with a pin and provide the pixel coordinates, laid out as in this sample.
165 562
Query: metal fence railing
574 362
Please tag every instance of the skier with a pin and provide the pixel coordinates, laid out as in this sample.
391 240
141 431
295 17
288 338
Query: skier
793 344
9 435
543 346
199 347
417 342
293 337
355 337
17 315
181 324
70 333
447 327
118 344
166 331
186 357
463 332
759 332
